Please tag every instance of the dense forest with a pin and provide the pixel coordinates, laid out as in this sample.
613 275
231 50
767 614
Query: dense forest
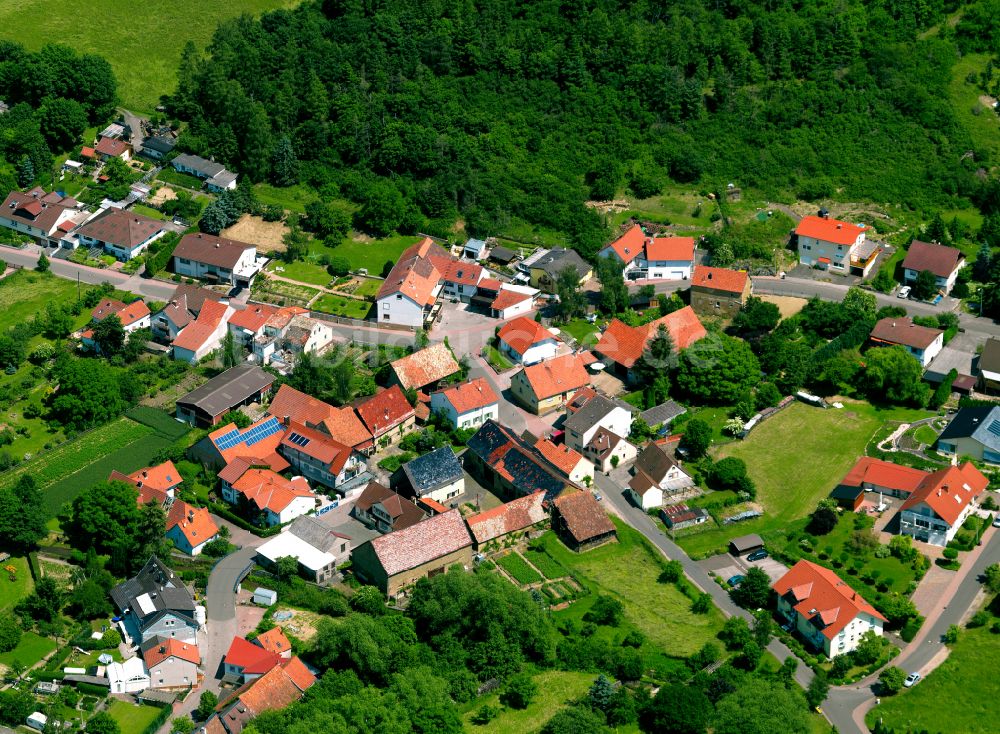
498 110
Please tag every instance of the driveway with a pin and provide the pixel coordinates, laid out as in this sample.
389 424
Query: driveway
726 566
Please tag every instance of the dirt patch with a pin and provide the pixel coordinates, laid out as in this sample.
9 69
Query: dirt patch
787 305
268 236
987 101
247 619
164 193
618 205
301 624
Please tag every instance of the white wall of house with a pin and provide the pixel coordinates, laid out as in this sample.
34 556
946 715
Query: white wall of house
121 252
583 468
180 541
926 356
624 451
535 353
812 249
469 419
144 323
295 508
317 471
173 673
448 492
846 641
518 309
667 269
397 308
944 284
923 524
196 269
32 230
653 497
618 421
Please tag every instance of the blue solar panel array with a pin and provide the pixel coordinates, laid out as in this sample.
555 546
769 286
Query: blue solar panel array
994 428
298 439
252 436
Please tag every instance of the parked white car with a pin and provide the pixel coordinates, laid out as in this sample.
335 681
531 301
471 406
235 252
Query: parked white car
911 680
904 292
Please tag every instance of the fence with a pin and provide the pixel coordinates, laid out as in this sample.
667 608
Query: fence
765 414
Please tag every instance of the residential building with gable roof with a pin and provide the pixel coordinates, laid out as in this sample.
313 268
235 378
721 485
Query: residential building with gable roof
204 335
108 148
387 415
320 457
922 342
437 475
279 687
275 641
656 475
410 290
543 272
190 528
248 324
467 405
526 341
824 609
317 548
830 244
581 522
973 431
622 345
230 447
651 258
183 307
515 516
288 333
155 603
217 259
935 511
384 510
122 234
215 175
155 483
270 499
234 388
550 384
46 217
396 561
943 261
989 367
171 663
133 316
244 661
569 463
424 369
599 412
342 424
719 291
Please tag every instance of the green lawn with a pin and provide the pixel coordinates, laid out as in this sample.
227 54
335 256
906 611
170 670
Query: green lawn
925 434
29 650
582 330
143 50
556 689
149 211
283 294
185 180
370 255
496 360
11 592
964 97
339 306
629 570
26 293
304 272
131 718
292 198
796 458
964 681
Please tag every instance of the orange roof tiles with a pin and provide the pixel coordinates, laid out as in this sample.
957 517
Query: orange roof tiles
670 248
510 517
630 245
251 658
556 376
624 344
385 410
170 647
507 298
274 640
902 330
523 333
330 452
819 594
194 335
470 395
561 457
252 318
195 523
421 543
719 279
462 273
828 230
269 490
263 452
128 314
425 366
162 476
414 275
299 673
583 517
342 424
948 491
112 147
880 473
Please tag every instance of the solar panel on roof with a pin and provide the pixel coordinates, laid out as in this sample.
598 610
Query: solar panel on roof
994 428
228 440
298 439
259 433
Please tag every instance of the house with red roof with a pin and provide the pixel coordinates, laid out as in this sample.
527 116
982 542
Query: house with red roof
320 457
40 215
923 342
244 661
525 341
183 307
387 415
289 332
171 663
719 291
380 508
943 261
410 291
425 368
204 335
275 641
133 316
459 280
108 148
270 499
824 609
341 424
548 385
875 475
279 687
621 345
248 324
122 234
190 528
256 445
516 516
652 258
569 463
468 404
155 483
935 511
830 244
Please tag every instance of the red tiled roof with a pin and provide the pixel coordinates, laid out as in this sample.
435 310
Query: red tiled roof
490 284
507 298
105 308
818 592
902 330
629 246
193 336
523 333
252 318
146 494
170 647
583 517
948 491
510 517
122 228
274 640
939 259
195 523
342 424
470 395
299 674
624 344
719 279
670 248
880 473
828 230
318 445
462 273
385 410
162 476
112 147
414 275
561 457
86 152
557 375
432 504
252 658
421 543
425 366
269 490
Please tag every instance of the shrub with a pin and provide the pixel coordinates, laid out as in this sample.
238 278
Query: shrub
979 619
605 610
891 680
486 713
950 553
519 691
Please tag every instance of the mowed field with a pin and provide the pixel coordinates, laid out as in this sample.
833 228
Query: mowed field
795 458
142 41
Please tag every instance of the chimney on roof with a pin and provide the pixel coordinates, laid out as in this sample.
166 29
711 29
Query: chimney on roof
709 276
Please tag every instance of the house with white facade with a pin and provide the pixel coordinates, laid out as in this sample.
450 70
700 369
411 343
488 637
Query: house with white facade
934 513
527 342
437 476
122 234
943 261
830 244
182 308
319 457
467 405
190 528
288 333
656 476
171 663
598 412
567 462
217 259
824 609
459 280
652 258
922 342
410 291
271 498
45 217
133 316
154 603
204 335
130 676
215 175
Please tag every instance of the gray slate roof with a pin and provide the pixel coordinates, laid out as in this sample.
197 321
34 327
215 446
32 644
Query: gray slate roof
158 143
662 413
434 470
166 591
968 422
205 167
230 388
315 533
557 260
589 415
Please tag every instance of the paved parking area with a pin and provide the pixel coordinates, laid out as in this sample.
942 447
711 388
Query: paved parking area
726 566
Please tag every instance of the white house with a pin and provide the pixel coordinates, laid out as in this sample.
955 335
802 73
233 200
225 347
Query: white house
828 244
598 412
293 332
410 291
512 301
936 510
608 450
656 476
122 234
460 279
217 259
467 405
215 175
436 476
128 677
571 464
944 262
275 499
190 528
824 609
652 258
319 457
46 217
133 316
526 341
204 335
922 342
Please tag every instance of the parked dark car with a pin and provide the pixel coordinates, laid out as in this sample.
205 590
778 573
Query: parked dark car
758 555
